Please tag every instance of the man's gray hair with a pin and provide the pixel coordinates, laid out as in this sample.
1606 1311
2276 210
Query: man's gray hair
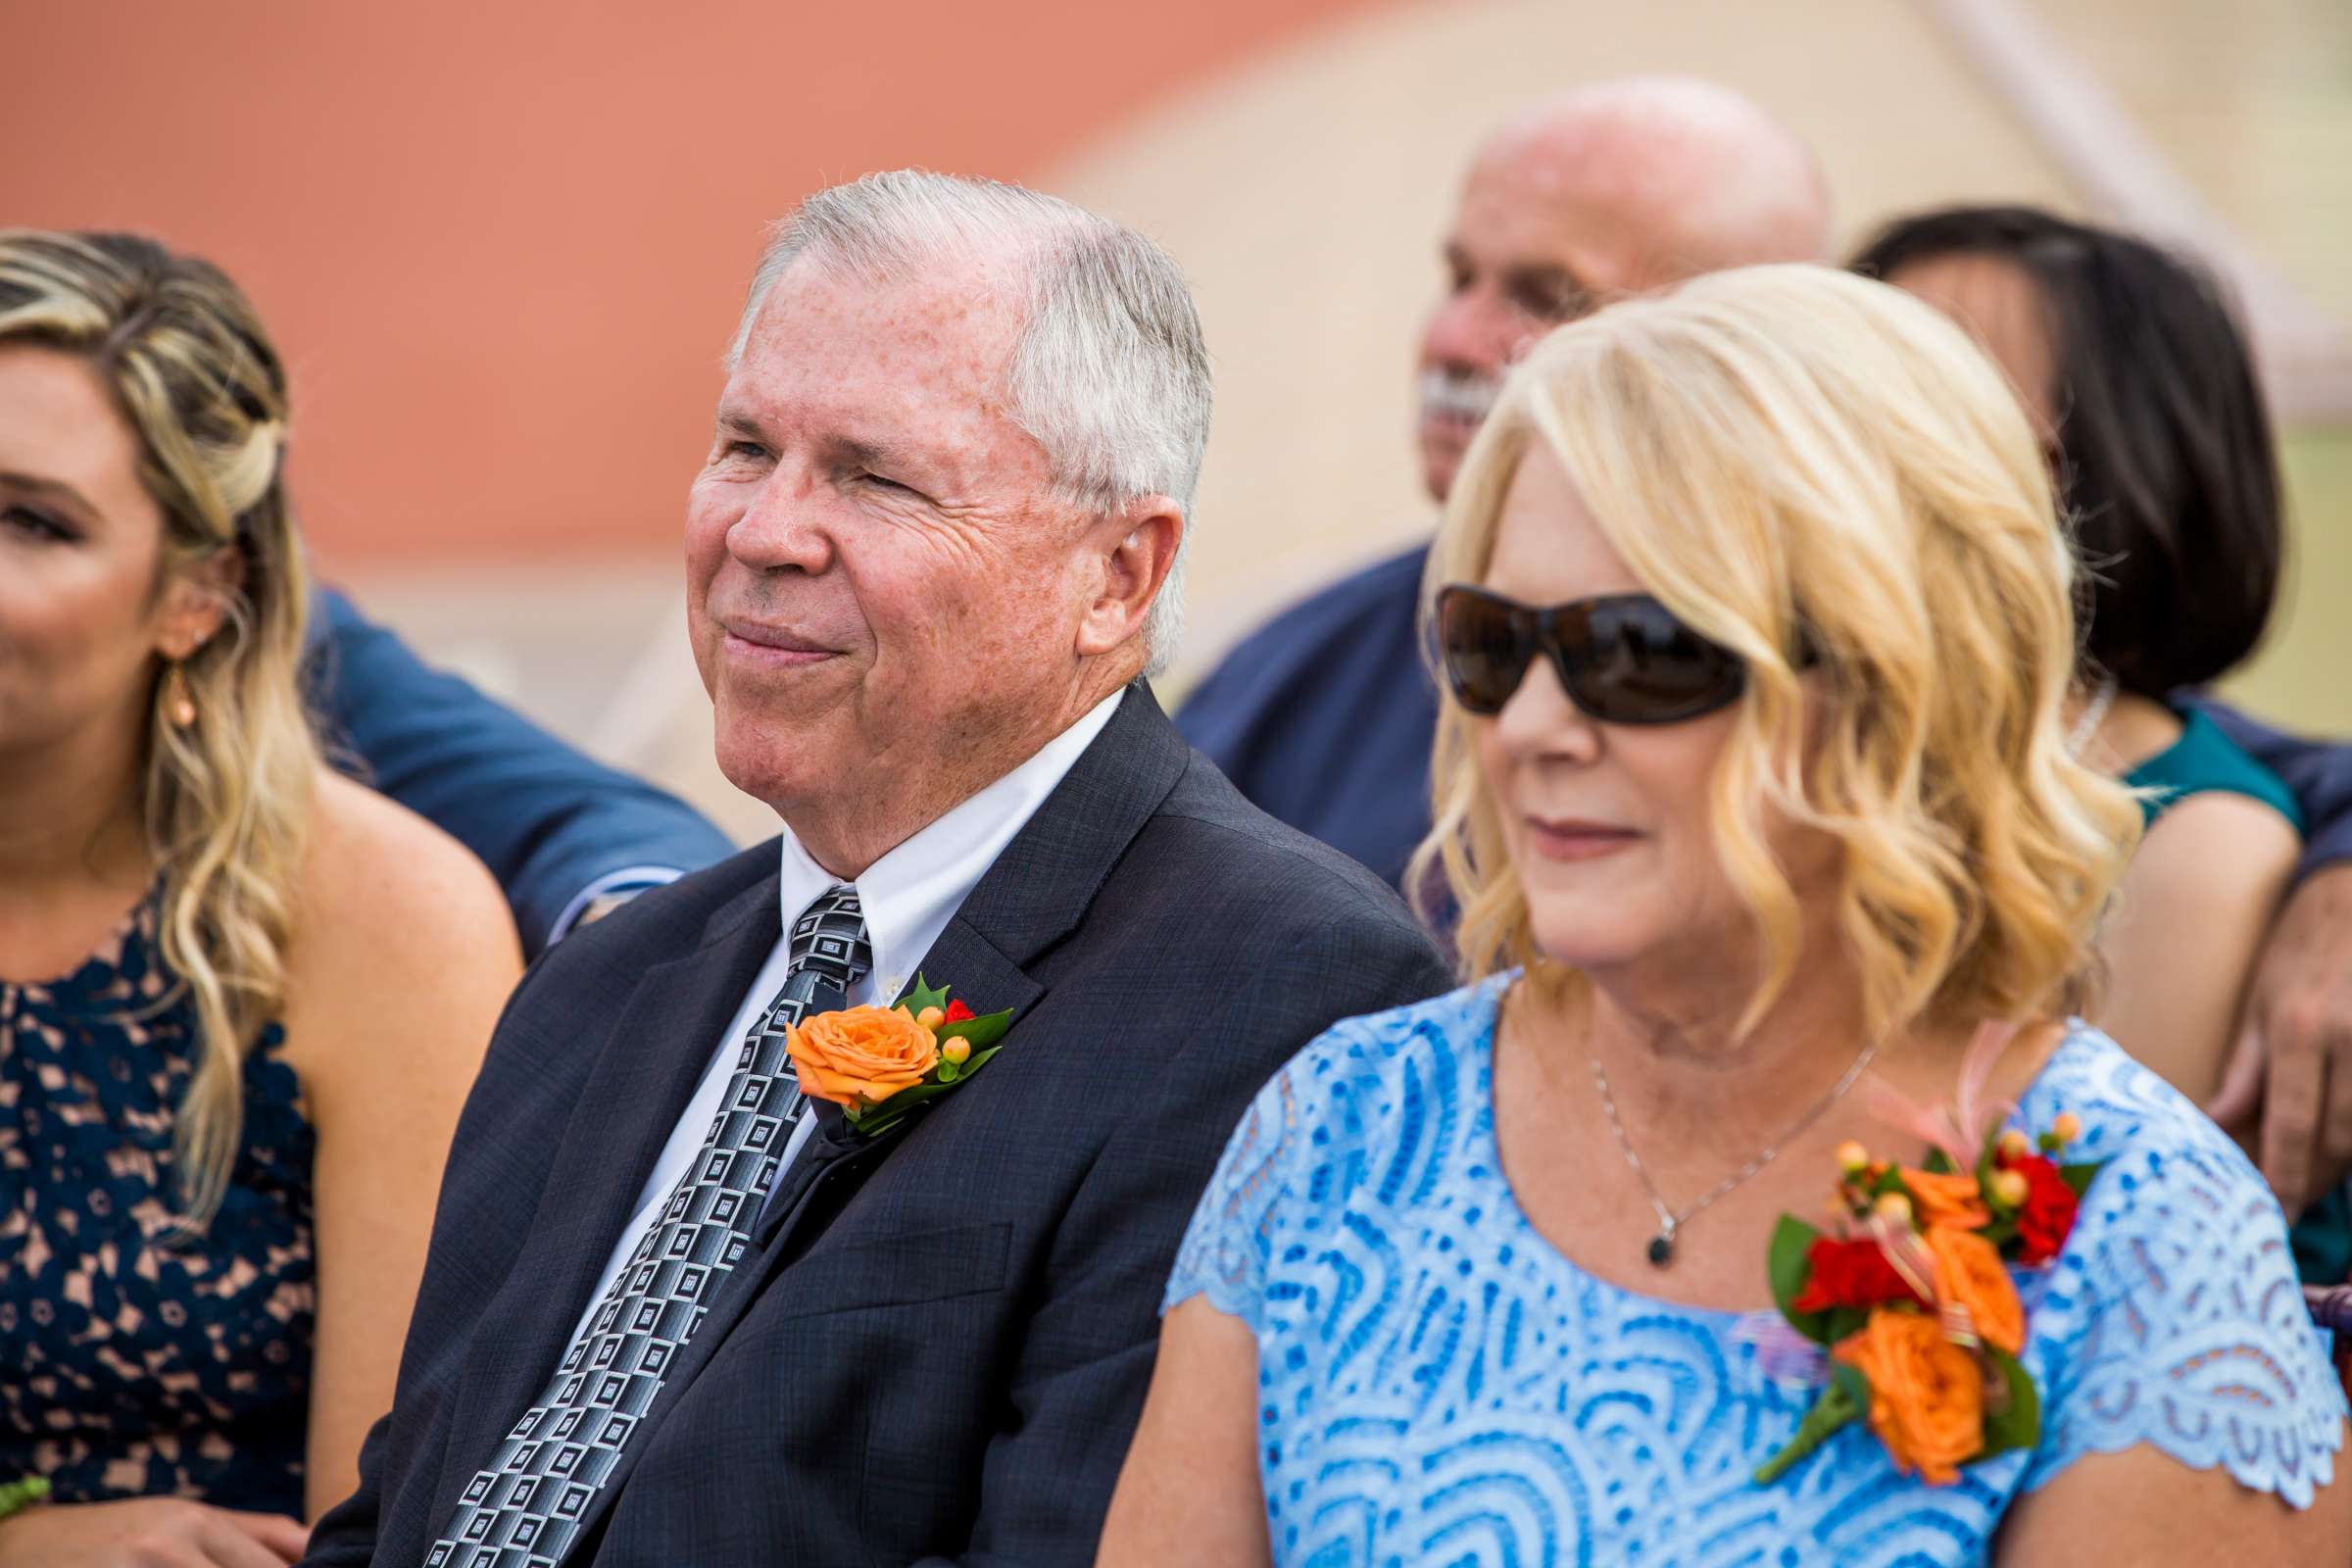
1109 374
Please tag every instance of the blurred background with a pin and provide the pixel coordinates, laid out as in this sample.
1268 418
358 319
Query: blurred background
503 245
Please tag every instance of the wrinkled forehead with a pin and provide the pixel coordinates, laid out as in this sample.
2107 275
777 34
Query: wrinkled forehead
1614 212
920 356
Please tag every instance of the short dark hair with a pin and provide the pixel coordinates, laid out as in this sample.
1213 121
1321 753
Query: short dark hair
2164 463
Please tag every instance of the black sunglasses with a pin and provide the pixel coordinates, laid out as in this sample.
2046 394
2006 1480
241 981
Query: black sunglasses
1623 659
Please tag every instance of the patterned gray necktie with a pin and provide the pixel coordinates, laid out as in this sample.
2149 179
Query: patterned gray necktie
523 1509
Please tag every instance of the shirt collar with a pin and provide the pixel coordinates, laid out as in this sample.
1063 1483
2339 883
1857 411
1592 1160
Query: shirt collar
911 893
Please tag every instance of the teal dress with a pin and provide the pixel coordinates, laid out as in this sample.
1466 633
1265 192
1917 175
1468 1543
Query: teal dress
2204 761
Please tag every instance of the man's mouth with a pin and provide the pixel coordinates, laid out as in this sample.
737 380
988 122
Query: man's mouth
1459 401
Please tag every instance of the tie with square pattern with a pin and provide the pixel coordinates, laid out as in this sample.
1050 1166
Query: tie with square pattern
523 1509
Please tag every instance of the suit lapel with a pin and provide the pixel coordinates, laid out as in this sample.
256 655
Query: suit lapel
656 1053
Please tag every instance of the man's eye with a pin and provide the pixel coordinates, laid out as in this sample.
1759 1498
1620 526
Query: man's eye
744 449
1553 301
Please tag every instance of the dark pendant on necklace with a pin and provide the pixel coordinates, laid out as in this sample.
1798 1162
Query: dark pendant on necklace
1661 1250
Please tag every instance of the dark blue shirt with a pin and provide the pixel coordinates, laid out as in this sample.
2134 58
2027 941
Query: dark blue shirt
1324 716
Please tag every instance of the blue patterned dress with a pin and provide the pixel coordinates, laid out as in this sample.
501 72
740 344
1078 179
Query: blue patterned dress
133 1362
1439 1385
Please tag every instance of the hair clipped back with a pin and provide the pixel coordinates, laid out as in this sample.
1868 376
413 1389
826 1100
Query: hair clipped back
1792 457
1109 374
227 800
2166 461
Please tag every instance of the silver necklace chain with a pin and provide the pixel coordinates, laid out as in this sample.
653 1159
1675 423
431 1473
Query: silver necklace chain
1671 1220
2095 711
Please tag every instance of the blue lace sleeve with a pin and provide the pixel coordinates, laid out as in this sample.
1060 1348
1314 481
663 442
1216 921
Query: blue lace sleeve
1225 1249
2173 1317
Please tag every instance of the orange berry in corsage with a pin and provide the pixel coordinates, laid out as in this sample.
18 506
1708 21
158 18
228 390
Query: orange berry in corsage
930 1017
957 1051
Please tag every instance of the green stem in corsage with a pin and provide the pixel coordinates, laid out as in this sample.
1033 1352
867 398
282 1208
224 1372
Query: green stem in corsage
1840 1406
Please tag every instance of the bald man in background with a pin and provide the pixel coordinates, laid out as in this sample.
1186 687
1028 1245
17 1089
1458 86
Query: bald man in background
1323 716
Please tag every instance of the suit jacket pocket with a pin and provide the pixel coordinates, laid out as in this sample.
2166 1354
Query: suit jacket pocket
900 1270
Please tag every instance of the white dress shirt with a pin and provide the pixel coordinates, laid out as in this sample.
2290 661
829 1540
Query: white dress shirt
907 897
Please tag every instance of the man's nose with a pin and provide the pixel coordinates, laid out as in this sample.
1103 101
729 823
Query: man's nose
783 528
1475 331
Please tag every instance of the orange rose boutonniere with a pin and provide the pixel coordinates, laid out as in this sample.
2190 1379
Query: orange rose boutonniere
879 1063
1912 1294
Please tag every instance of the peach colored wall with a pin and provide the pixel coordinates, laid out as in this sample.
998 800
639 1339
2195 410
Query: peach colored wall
502 244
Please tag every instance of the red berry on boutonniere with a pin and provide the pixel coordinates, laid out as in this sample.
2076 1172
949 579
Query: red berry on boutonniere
956 1012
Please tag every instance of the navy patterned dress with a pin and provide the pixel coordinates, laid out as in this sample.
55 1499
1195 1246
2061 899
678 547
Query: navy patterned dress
135 1361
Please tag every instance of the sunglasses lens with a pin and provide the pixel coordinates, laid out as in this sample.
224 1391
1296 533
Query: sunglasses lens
1482 647
1638 664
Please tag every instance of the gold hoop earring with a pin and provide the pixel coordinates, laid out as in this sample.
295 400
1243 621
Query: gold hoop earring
179 703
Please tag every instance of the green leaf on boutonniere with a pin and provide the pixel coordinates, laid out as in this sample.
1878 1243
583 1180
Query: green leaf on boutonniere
875 1121
2080 1177
921 995
2018 1423
979 1033
1788 1267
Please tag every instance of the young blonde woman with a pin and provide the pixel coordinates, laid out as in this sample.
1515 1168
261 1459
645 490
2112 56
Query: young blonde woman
240 998
1752 787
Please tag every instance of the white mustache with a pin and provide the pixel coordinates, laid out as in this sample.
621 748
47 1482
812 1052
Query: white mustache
1447 395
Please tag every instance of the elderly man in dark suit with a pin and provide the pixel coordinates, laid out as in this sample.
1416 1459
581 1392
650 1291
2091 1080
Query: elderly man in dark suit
676 1313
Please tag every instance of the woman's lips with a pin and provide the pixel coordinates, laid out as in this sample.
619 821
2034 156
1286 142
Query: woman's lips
1570 840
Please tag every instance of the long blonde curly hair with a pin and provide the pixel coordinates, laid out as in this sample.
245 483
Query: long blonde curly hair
1790 458
228 799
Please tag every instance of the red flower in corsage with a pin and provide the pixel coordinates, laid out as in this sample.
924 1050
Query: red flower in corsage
1911 1295
878 1063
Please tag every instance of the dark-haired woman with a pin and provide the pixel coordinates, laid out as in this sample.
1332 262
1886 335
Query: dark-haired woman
2132 368
240 998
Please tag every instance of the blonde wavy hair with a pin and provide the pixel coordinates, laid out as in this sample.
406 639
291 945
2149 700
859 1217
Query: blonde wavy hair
1790 458
228 799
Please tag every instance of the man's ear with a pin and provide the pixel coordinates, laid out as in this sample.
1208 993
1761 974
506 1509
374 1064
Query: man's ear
1134 551
196 601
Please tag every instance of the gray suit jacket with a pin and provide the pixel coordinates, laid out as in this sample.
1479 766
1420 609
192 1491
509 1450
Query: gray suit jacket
940 1344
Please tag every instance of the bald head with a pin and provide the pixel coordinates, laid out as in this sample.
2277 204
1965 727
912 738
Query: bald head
1696 176
1607 190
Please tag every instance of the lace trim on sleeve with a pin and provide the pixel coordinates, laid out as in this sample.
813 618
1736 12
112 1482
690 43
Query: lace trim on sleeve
2175 1317
1227 1245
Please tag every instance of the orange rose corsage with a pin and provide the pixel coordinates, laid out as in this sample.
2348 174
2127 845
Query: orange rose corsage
1911 1291
879 1063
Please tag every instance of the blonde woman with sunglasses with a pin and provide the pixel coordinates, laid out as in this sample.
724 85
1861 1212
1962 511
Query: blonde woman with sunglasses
1753 798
